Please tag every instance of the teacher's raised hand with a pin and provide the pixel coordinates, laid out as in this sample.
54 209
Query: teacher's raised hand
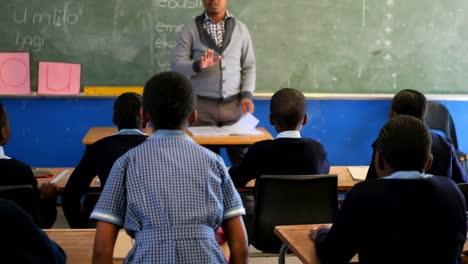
207 60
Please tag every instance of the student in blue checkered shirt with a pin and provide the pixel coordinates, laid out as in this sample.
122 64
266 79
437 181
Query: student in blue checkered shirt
169 193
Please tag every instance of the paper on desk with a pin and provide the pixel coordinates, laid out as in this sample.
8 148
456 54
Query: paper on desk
245 126
60 176
358 173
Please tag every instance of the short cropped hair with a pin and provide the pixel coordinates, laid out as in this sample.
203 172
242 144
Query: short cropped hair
127 111
405 143
410 102
287 108
168 98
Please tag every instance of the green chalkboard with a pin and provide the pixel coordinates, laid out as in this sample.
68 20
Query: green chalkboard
324 46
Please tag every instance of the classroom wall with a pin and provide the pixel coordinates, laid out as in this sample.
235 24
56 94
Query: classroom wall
47 132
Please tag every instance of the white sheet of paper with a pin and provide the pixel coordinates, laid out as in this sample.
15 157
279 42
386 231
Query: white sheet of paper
60 176
207 131
358 173
245 126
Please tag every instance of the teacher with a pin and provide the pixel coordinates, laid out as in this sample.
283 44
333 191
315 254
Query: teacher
215 51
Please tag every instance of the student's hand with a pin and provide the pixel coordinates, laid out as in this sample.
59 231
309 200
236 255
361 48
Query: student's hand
49 191
247 106
207 60
314 231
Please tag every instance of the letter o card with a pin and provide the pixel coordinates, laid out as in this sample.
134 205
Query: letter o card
14 73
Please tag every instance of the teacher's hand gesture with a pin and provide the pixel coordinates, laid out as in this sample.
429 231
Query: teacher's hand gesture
207 60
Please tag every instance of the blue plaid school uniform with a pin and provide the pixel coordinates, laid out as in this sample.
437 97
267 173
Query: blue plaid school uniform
170 194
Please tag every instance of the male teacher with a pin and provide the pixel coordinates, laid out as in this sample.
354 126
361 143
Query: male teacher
215 51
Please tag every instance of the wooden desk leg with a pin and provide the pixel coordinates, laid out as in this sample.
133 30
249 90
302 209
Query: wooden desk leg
282 254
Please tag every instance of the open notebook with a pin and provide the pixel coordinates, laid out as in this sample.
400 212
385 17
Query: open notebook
358 173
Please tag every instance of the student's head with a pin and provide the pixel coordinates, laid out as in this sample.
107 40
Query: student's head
403 144
409 102
288 110
215 7
4 126
169 101
128 111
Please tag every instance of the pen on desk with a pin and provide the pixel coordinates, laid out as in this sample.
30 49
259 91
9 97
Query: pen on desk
60 176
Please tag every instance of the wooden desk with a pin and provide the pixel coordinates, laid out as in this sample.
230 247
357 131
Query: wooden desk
297 238
78 244
96 133
62 182
345 181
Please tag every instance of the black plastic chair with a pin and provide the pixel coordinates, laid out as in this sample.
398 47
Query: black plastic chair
22 195
464 189
291 200
89 202
439 118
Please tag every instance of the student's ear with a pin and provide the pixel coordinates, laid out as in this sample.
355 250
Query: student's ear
428 165
304 120
113 119
271 120
192 118
144 118
379 163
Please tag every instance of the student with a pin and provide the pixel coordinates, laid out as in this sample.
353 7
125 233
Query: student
445 163
100 156
23 241
18 184
288 153
406 216
169 193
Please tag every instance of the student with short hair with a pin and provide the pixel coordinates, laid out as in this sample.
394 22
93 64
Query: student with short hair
99 157
16 177
289 153
445 163
405 216
23 241
170 193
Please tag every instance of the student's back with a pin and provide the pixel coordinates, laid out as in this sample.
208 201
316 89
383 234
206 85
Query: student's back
17 183
282 156
445 162
169 193
405 221
99 157
288 154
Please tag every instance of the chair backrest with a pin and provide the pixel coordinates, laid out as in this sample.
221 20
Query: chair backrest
89 202
291 200
22 195
464 189
438 117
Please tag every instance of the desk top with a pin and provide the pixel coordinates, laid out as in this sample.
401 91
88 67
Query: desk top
299 242
345 181
78 244
63 181
96 133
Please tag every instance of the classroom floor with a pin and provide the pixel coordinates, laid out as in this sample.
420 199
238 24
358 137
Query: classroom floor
61 222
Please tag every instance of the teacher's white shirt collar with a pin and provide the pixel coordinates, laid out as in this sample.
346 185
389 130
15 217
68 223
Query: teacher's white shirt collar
289 134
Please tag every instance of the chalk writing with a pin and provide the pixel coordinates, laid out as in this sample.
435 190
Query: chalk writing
56 17
175 4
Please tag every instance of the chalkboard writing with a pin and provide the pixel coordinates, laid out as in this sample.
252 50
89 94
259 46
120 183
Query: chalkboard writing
337 46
